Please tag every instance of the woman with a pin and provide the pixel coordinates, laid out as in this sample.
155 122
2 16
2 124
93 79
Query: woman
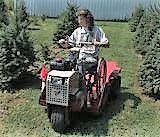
87 32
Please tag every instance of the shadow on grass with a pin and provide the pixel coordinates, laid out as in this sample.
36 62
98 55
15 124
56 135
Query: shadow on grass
89 125
152 95
33 28
27 81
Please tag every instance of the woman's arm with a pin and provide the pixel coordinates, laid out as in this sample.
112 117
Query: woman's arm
102 39
70 41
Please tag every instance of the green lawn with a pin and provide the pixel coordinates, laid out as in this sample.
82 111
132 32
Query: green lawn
44 33
131 115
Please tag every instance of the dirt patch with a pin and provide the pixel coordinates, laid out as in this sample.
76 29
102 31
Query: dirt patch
8 102
152 100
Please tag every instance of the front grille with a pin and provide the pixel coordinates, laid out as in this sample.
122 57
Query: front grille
57 93
60 85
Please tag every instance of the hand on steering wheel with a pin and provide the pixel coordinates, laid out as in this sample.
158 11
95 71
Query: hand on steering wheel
63 43
102 44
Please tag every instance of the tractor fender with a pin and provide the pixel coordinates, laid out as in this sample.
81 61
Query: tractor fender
113 70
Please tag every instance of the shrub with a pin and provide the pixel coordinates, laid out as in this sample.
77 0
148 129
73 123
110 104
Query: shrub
43 54
43 17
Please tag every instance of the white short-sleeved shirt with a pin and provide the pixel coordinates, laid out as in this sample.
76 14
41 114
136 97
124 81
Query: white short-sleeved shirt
82 34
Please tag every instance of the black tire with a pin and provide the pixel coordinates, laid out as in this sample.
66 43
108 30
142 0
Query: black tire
58 120
101 67
101 78
104 100
116 87
49 111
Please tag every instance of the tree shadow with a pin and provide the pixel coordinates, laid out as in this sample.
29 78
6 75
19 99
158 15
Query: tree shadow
152 95
27 81
89 125
33 28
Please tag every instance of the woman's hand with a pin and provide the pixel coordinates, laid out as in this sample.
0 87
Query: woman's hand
102 44
97 43
63 43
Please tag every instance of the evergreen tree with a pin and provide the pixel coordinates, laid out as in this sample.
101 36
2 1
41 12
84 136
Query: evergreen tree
3 13
22 17
149 24
16 50
68 25
135 18
147 43
43 54
26 44
150 69
141 30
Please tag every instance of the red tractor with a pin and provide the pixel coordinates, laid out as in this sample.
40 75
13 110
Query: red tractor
65 92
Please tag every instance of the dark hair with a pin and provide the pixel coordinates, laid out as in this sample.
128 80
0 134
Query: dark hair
88 15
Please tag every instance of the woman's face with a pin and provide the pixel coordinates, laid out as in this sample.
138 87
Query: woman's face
82 21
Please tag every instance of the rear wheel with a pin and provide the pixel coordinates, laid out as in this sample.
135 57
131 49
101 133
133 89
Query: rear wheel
116 87
104 100
58 120
101 82
101 71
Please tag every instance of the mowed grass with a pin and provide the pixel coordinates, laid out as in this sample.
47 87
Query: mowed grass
131 115
44 32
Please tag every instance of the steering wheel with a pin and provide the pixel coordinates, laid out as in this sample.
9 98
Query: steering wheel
79 45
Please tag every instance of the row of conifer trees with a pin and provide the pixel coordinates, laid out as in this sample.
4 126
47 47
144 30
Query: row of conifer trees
145 23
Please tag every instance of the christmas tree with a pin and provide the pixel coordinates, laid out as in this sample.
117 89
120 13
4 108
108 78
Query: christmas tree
145 32
135 18
150 69
16 50
68 25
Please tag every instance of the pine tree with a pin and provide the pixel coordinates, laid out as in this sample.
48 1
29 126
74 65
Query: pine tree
16 51
3 13
150 69
145 32
142 28
68 25
26 44
135 18
144 42
21 16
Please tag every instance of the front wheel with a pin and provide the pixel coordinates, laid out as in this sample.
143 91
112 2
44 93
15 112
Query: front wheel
58 120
